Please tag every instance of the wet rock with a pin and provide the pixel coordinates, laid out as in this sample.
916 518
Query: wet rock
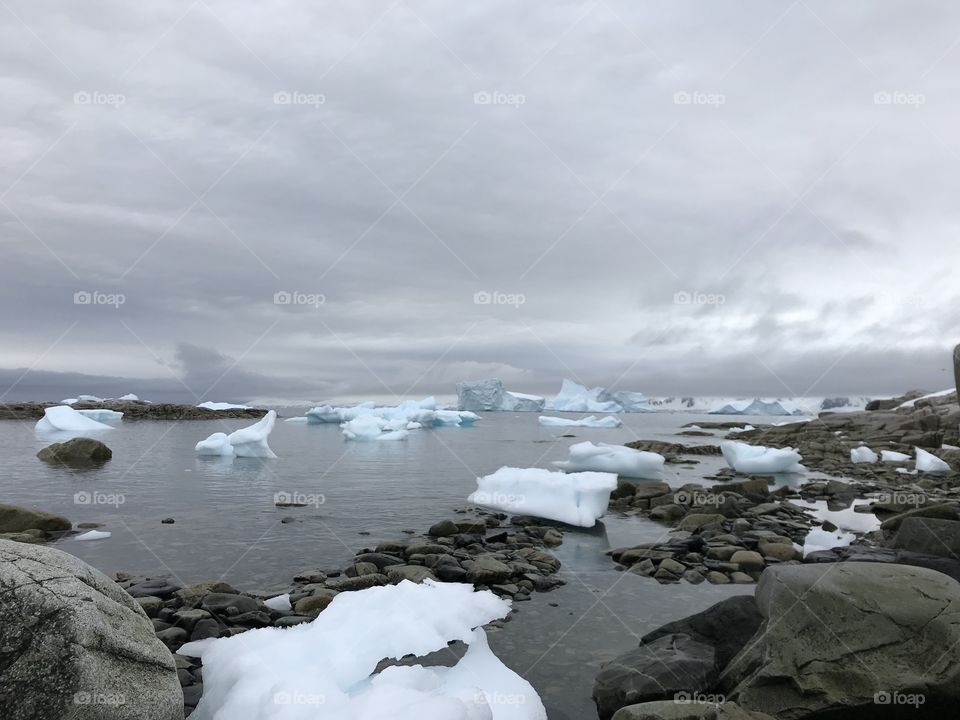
16 519
445 528
76 452
221 603
487 570
930 536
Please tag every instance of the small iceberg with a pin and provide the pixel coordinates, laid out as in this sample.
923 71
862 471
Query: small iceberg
618 459
93 535
759 460
246 442
327 669
591 421
930 463
578 498
64 419
862 454
222 406
369 427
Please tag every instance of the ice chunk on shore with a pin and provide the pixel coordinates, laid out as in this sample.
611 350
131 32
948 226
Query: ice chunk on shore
574 498
280 603
930 463
756 459
101 415
326 669
222 406
129 396
591 421
863 454
370 427
819 539
250 441
64 419
893 457
618 459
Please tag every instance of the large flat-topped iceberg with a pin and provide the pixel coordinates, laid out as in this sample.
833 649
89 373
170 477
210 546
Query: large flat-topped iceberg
618 459
250 441
327 669
591 421
759 460
573 498
63 419
490 396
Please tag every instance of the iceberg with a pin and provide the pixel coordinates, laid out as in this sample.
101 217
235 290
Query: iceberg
250 441
574 397
454 417
489 396
409 415
64 419
862 454
930 463
222 406
327 669
756 407
618 459
93 535
590 421
129 397
629 402
756 459
370 427
893 457
102 415
574 498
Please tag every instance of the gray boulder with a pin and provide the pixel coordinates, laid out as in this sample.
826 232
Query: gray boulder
78 451
838 640
930 536
14 519
74 645
683 710
726 627
660 670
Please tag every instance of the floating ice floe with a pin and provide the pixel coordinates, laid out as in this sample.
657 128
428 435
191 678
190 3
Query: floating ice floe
591 421
280 603
64 419
369 427
863 454
891 456
250 441
574 498
327 669
101 415
209 405
756 459
930 463
619 459
93 535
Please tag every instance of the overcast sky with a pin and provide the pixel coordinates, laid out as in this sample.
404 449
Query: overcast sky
236 199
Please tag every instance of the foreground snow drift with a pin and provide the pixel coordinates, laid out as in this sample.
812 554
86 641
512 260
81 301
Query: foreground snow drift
325 670
590 421
617 459
574 498
64 419
246 442
756 459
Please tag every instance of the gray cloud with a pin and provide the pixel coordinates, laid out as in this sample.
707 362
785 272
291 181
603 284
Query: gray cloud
787 169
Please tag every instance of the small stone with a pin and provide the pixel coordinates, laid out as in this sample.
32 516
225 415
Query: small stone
444 528
167 521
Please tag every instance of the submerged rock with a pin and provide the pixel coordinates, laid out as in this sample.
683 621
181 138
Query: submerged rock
74 645
78 451
16 519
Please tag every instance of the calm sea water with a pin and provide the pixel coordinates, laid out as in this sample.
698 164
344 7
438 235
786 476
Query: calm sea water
227 525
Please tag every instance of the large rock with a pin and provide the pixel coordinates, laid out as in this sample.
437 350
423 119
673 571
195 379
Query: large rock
837 640
684 710
956 369
74 645
726 627
14 518
929 536
78 451
669 666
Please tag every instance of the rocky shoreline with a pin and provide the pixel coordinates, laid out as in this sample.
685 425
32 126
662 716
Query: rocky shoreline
131 409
